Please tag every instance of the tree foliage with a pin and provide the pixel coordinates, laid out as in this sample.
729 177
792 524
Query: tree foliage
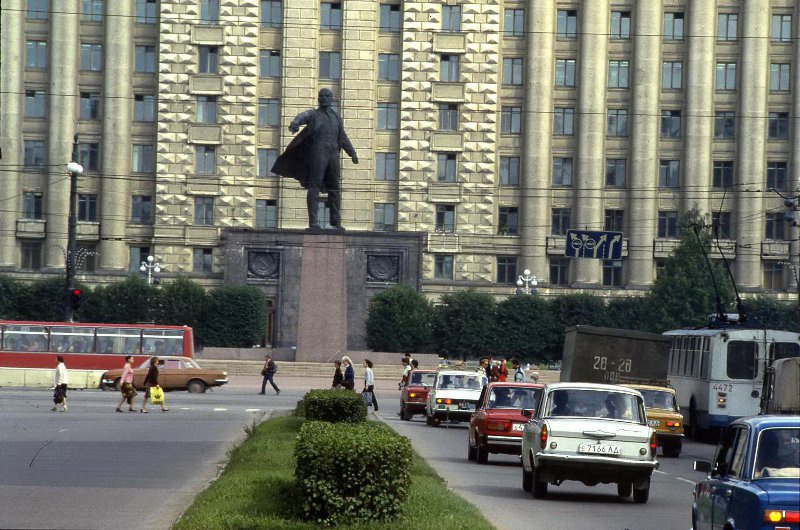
399 320
465 324
127 302
526 327
772 313
183 303
235 317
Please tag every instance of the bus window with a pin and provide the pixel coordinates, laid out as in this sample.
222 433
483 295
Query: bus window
783 350
163 341
704 360
741 360
124 341
25 338
71 339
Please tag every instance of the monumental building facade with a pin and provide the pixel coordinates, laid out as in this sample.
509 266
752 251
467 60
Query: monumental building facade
490 126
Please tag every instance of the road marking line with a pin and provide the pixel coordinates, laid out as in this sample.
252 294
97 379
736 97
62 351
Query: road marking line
252 410
62 430
687 480
660 472
220 410
186 408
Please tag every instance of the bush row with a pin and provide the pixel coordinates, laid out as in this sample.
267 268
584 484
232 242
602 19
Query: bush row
335 406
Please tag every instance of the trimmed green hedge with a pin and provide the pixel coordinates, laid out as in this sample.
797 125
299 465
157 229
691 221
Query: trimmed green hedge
348 473
335 406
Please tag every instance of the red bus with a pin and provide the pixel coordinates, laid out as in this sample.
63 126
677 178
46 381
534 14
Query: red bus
88 346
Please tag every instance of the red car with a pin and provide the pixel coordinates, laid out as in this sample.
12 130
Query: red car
497 423
415 393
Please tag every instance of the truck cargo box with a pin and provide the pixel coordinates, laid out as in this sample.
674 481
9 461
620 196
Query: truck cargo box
786 387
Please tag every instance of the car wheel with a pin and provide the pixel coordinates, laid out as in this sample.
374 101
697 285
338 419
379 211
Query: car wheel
482 454
527 480
472 452
624 489
405 415
539 486
640 495
196 386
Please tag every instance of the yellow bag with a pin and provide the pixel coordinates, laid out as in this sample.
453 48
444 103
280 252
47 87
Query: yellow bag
156 395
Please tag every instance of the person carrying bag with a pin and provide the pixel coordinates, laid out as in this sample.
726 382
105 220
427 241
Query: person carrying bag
368 394
150 384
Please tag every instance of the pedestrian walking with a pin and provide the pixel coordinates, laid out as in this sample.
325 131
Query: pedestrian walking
369 386
151 382
60 381
406 361
519 374
268 372
338 376
349 373
126 385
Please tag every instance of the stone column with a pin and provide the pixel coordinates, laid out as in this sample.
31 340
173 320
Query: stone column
587 210
116 146
64 48
751 139
12 98
698 119
538 130
794 165
643 204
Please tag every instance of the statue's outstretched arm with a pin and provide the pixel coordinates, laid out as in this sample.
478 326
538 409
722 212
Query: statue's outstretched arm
301 119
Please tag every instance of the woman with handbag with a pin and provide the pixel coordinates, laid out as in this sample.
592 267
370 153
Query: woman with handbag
126 385
369 387
349 373
151 382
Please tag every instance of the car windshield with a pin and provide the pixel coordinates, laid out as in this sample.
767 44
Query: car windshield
586 403
460 382
778 453
658 399
423 378
506 397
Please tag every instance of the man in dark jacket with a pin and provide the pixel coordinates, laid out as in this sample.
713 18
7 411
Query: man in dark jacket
312 157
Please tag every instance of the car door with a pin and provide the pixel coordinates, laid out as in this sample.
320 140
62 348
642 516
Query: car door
168 373
731 467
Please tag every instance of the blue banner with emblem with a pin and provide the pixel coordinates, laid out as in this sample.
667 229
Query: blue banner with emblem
596 245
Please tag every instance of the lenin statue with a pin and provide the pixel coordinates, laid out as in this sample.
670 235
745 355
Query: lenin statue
312 157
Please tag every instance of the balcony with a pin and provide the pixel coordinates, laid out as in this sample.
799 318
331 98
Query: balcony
88 231
208 35
449 43
775 249
447 141
31 228
205 84
444 242
448 92
663 248
205 134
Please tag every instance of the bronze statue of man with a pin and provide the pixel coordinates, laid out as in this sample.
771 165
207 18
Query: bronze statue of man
312 157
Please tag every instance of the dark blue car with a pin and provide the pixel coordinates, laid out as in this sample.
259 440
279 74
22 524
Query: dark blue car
754 480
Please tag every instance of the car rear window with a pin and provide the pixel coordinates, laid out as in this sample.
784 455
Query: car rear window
513 398
574 402
423 378
460 382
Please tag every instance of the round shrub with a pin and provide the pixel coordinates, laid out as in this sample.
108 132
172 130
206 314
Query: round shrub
334 406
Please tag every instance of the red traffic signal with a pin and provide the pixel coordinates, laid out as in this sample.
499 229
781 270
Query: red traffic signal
75 298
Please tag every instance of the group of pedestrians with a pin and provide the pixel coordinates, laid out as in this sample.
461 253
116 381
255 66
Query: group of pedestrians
346 380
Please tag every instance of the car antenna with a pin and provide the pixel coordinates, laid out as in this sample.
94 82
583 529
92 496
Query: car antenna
727 265
721 315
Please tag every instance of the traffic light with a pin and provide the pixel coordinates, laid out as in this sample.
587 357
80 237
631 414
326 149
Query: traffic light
75 298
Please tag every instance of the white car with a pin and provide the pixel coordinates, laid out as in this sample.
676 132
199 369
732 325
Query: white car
454 395
589 433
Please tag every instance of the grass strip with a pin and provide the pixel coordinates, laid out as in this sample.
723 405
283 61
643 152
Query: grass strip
252 491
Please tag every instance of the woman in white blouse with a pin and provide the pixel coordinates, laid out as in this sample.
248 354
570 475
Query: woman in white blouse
369 384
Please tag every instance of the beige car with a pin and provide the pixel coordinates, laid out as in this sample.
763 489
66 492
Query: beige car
176 373
664 416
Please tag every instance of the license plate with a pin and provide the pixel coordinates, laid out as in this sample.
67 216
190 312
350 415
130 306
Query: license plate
466 406
597 449
518 427
653 423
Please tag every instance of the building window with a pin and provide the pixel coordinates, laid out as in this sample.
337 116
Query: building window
669 172
779 77
445 218
270 63
507 270
34 153
269 112
723 174
661 266
448 117
204 211
721 225
509 171
90 106
31 255
205 159
143 159
209 11
562 171
668 224
388 67
266 213
38 9
208 60
618 74
142 209
615 172
778 126
559 271
617 122
390 18
385 217
92 57
511 120
449 68
89 156
138 255
92 11
776 175
561 221
612 273
202 259
35 104
451 19
508 220
443 267
565 72
36 55
512 71
271 13
87 258
670 124
387 116
330 65
620 25
672 75
266 159
726 26
614 220
514 22
32 205
87 207
146 12
775 227
773 276
566 24
726 76
724 125
446 167
207 109
144 108
673 26
386 166
564 121
781 28
330 16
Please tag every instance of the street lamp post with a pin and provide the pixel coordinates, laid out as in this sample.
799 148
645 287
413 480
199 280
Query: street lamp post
527 283
70 261
150 268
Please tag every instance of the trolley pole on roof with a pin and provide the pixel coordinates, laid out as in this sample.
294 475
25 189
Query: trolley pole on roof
70 261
